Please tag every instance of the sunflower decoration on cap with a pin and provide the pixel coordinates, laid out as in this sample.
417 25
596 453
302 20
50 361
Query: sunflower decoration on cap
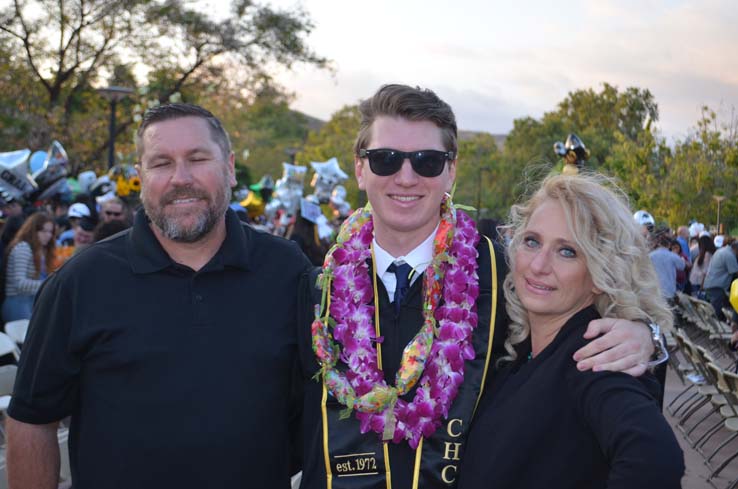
126 179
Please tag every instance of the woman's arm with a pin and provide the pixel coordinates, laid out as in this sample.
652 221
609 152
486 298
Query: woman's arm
20 271
635 438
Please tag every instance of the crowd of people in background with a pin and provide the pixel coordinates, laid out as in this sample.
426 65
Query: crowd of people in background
693 261
36 240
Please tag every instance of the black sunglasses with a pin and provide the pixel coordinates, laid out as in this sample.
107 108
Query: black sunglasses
426 163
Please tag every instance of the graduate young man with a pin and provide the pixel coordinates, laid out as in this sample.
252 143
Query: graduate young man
413 315
172 346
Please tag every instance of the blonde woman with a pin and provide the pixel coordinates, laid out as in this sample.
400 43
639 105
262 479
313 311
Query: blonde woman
576 255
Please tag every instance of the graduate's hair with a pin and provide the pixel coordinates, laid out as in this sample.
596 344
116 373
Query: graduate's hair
616 253
411 103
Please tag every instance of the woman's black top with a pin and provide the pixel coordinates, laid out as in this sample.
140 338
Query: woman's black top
546 424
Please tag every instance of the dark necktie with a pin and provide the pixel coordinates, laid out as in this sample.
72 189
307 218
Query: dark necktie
402 274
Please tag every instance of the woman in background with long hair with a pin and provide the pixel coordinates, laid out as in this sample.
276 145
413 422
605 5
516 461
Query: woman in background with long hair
701 264
29 259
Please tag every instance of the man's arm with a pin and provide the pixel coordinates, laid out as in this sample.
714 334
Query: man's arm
625 346
33 455
680 263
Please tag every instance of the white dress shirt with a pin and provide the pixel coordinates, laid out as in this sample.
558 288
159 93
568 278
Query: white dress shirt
419 258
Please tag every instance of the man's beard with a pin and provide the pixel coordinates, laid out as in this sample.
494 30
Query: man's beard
173 227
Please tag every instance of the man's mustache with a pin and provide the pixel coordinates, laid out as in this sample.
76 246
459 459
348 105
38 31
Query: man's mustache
183 193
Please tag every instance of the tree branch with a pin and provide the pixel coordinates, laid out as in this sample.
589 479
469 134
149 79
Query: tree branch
26 39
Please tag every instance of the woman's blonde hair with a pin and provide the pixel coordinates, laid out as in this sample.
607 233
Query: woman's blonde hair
616 253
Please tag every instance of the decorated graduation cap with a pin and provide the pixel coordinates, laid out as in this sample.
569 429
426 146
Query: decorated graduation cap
574 153
327 175
287 191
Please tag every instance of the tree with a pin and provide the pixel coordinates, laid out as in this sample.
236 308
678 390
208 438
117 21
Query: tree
477 172
677 184
19 103
265 127
596 117
70 47
603 119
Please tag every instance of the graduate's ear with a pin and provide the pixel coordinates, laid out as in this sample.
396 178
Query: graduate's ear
359 171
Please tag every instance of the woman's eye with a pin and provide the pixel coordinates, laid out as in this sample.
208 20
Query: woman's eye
530 242
568 253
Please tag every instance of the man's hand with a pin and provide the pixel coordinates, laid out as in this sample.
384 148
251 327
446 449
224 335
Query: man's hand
625 346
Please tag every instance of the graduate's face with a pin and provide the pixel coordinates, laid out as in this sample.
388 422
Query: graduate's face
550 273
405 204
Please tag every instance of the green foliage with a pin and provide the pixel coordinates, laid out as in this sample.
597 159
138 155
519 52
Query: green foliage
679 184
263 129
20 102
596 117
62 50
478 169
602 119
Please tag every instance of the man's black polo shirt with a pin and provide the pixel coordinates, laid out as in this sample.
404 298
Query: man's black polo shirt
173 378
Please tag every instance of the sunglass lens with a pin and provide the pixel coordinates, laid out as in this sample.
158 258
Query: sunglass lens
429 163
385 162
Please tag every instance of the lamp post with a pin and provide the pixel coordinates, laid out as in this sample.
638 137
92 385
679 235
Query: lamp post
719 199
113 94
291 152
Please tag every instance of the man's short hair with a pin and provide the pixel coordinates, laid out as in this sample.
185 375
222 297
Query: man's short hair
411 103
177 111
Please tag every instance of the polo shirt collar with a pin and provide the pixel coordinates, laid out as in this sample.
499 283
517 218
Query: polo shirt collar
146 254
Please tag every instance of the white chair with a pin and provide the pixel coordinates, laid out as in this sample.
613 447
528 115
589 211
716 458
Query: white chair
7 345
7 379
17 330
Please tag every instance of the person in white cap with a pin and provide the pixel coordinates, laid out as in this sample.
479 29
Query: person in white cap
76 211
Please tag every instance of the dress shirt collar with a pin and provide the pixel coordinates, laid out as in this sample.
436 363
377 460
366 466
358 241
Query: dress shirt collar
419 258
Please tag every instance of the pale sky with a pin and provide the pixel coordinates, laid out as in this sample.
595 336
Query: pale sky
495 61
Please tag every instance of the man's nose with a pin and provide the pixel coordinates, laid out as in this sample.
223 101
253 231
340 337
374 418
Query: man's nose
406 174
182 173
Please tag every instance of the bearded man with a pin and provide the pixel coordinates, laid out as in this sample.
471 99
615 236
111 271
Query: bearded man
411 316
156 342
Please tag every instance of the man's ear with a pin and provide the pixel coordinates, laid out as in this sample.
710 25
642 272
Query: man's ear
451 175
359 172
232 169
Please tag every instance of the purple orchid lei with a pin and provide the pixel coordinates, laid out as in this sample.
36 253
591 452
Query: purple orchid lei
438 351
